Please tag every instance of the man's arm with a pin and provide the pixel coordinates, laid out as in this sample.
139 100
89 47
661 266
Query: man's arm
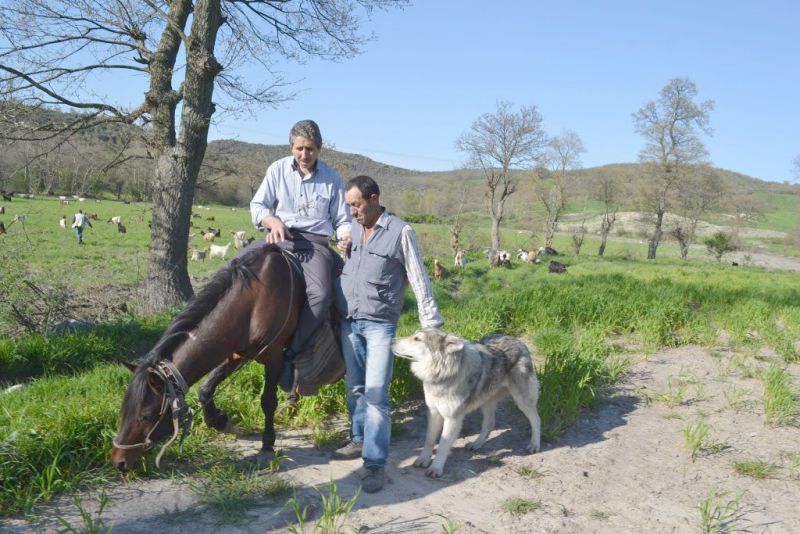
429 314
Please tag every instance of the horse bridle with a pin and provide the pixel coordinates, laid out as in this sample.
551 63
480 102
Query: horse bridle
175 389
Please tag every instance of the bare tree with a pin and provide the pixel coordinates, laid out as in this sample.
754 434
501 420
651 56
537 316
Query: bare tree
697 195
500 143
55 52
671 126
606 191
563 154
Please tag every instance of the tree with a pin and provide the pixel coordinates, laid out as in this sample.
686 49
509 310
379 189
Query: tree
500 143
607 192
696 196
671 127
58 52
563 154
720 244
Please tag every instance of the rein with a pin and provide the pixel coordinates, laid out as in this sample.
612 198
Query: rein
176 387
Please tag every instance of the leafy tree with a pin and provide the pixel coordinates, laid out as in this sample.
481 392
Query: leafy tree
184 53
671 127
499 143
720 244
696 196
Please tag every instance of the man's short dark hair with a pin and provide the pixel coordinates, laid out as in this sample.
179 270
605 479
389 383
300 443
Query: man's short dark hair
366 185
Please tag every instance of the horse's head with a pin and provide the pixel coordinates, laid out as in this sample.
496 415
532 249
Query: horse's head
154 405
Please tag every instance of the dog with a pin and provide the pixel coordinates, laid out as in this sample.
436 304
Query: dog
458 377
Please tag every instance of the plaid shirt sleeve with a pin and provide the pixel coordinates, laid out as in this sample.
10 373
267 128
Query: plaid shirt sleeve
429 314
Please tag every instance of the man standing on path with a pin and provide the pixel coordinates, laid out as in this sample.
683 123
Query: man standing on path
383 260
79 220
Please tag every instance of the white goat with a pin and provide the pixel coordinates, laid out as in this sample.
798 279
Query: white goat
238 239
199 255
62 222
460 260
219 250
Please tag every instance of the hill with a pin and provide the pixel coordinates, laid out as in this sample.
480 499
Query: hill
232 171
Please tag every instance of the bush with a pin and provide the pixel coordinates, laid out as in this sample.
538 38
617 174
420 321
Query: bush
720 244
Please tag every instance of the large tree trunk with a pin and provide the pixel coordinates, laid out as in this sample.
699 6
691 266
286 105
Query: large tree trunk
651 249
495 233
178 165
603 239
549 232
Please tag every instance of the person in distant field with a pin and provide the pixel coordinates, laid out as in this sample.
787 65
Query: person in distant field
301 203
383 261
79 220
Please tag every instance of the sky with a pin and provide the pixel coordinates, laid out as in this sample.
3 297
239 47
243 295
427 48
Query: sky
436 66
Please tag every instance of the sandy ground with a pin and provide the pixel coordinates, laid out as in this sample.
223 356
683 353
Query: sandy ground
624 468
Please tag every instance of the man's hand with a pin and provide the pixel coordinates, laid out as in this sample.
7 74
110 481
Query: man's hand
277 230
345 244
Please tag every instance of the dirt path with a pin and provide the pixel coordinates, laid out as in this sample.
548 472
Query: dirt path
625 468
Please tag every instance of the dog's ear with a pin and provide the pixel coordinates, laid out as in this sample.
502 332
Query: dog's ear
454 343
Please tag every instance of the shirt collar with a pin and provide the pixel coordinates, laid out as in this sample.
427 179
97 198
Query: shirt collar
383 220
296 167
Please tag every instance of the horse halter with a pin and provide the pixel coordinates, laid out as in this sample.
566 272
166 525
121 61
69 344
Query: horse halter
175 388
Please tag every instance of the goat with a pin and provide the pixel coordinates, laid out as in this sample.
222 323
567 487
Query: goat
116 219
210 218
121 228
2 210
500 258
62 222
199 255
7 197
208 236
238 239
216 232
522 255
140 218
460 260
735 264
556 267
219 250
531 257
92 216
438 269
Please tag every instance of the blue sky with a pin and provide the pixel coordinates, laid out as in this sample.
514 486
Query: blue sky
587 65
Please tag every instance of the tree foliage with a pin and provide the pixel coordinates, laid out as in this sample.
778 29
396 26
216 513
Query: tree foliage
188 57
671 127
720 244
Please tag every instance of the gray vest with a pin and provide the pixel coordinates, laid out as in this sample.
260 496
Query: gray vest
373 282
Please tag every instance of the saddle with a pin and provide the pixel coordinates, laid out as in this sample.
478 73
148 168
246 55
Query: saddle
323 362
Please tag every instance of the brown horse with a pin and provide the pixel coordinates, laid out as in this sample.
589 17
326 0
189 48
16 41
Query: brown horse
247 311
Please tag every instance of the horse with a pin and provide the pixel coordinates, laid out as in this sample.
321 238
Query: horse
248 311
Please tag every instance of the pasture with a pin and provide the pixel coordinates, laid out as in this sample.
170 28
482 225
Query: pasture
587 329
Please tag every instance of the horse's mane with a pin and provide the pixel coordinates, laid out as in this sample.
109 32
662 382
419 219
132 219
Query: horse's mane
241 271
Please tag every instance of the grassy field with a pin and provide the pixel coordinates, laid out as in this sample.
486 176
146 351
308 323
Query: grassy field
584 327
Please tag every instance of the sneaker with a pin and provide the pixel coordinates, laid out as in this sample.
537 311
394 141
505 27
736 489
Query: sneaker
350 451
374 480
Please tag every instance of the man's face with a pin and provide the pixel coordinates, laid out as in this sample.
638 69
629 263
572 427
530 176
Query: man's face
364 211
305 153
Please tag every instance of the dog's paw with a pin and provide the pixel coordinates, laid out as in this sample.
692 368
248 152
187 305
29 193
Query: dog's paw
475 445
422 461
531 448
434 472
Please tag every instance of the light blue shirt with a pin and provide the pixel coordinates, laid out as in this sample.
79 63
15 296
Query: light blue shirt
312 204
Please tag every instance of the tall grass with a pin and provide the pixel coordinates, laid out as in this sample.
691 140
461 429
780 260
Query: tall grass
55 433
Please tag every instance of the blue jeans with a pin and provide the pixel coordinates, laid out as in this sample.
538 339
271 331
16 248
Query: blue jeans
367 350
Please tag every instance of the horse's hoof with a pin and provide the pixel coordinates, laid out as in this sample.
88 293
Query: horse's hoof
264 458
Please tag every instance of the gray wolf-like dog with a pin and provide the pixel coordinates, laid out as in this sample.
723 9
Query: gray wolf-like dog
458 377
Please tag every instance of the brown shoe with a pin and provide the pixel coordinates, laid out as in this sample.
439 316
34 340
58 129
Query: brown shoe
350 451
374 480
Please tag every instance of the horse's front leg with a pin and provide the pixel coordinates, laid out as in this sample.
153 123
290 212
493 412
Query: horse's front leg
269 398
213 416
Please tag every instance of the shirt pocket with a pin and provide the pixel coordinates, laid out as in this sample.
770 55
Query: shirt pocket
318 207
